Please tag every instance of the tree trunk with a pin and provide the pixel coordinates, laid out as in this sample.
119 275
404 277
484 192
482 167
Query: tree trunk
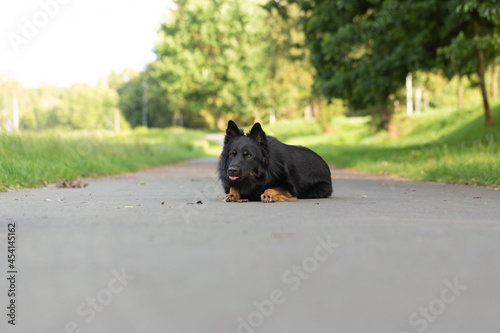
494 80
177 120
487 111
481 69
460 92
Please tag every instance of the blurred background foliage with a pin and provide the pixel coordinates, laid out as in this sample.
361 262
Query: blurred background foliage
254 60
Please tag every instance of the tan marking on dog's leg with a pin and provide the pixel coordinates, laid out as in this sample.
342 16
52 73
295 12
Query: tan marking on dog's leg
276 195
233 195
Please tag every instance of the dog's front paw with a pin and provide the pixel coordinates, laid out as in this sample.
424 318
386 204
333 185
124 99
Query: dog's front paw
267 197
233 195
276 195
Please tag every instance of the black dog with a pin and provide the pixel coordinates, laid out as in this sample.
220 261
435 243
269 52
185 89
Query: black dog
259 167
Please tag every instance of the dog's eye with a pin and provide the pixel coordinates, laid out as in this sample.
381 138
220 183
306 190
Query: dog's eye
232 154
248 155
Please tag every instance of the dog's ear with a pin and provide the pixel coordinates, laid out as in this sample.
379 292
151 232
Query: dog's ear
232 131
258 134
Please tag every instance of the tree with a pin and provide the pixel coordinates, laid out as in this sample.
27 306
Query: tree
130 102
291 75
210 61
363 49
89 107
480 21
459 60
132 98
118 80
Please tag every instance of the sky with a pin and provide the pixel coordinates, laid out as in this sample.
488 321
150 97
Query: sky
62 42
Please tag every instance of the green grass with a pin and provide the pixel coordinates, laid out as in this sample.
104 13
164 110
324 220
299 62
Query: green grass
440 145
450 146
35 159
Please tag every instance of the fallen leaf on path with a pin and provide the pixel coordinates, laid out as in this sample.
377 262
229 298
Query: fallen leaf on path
48 199
78 183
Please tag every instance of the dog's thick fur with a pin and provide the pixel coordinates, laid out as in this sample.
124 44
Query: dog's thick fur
259 167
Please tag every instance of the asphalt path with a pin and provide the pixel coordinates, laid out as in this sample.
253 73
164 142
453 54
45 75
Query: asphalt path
159 251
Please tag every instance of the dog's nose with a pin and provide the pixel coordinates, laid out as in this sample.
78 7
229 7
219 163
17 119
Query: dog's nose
233 171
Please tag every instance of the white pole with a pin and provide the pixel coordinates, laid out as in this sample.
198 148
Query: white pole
272 117
15 108
308 111
409 94
144 103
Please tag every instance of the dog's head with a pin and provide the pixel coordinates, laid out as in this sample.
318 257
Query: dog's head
243 156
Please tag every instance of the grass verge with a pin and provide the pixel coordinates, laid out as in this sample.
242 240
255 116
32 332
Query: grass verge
35 159
451 146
